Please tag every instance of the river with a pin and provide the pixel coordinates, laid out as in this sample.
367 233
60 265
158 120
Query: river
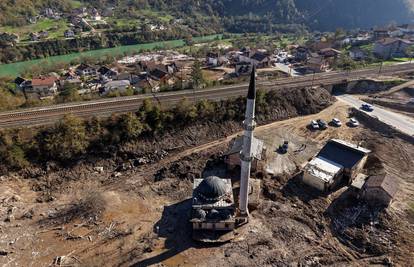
14 69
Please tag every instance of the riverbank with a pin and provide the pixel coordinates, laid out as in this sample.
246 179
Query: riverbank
14 69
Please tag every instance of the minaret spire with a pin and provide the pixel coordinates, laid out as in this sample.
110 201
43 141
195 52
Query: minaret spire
246 155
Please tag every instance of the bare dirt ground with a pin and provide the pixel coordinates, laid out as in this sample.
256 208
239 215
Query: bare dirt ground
139 216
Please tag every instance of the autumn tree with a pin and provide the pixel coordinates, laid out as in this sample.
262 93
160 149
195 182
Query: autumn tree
65 141
197 78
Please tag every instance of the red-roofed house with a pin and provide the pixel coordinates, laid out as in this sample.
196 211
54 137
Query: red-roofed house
43 87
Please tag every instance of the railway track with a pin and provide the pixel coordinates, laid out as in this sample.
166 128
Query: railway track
105 107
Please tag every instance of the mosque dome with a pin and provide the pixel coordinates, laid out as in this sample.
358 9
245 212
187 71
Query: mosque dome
212 188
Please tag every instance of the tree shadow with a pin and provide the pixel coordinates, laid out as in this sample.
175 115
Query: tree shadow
296 188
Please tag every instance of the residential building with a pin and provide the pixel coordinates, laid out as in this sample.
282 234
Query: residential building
329 52
407 29
113 86
339 162
317 63
379 190
42 87
86 70
108 73
391 47
260 60
380 33
242 68
69 34
212 59
301 53
357 54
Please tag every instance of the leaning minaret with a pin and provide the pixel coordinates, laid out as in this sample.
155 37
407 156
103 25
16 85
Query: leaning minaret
246 155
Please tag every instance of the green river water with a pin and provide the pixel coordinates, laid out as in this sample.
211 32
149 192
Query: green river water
14 69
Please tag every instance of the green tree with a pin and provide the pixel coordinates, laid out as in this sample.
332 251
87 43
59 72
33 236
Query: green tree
66 140
69 94
185 112
130 126
152 116
11 152
197 78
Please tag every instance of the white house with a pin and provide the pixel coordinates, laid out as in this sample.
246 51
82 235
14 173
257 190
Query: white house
42 87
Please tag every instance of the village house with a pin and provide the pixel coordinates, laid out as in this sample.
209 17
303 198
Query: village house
317 63
380 33
81 12
395 32
391 47
132 78
260 60
212 59
8 39
159 75
69 34
86 70
43 34
357 54
112 86
319 45
70 78
301 53
379 190
107 73
329 53
406 29
243 68
94 14
148 84
34 37
42 87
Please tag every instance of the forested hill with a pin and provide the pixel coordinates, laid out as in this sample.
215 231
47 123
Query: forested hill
238 15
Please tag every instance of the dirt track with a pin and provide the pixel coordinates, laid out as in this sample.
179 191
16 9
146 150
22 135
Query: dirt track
110 219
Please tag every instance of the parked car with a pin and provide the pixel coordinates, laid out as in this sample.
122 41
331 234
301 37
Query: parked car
353 122
314 125
283 149
322 124
367 107
336 122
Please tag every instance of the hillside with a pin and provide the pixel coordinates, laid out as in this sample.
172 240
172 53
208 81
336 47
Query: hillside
234 15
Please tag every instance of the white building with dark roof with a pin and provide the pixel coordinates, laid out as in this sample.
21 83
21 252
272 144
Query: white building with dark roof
337 162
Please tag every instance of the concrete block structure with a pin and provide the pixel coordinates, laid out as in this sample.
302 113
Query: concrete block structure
337 162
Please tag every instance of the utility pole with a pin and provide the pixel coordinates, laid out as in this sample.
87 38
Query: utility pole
313 77
382 62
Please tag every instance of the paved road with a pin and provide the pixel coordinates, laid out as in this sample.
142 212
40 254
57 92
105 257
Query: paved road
105 107
400 122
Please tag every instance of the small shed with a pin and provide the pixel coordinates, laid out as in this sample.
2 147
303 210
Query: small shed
379 190
322 174
232 156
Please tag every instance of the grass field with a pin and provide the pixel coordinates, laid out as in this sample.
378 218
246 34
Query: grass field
14 69
56 28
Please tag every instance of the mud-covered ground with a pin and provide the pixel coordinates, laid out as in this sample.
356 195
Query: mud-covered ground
123 213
